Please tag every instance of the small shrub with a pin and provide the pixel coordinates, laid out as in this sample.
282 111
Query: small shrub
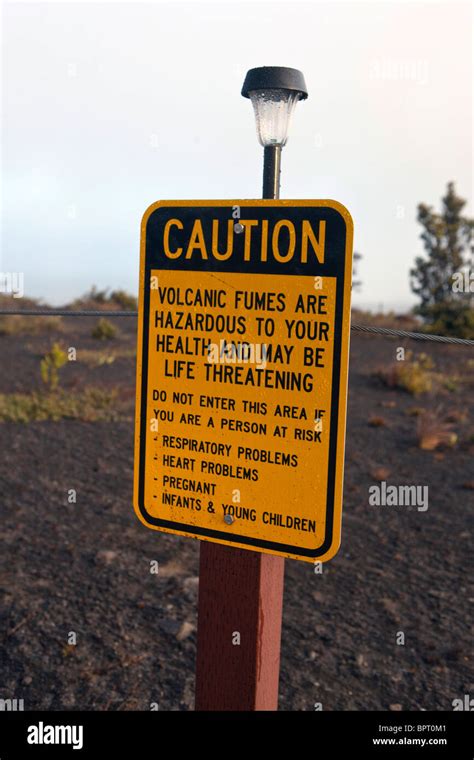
451 318
96 296
415 379
407 376
104 330
425 361
89 405
97 357
50 365
450 383
29 325
375 421
415 411
124 300
416 374
432 432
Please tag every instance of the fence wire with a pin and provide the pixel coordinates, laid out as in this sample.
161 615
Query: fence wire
388 331
414 335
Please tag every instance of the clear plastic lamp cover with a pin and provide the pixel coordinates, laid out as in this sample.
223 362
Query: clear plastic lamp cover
273 111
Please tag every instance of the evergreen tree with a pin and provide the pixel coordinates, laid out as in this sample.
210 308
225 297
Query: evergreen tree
446 237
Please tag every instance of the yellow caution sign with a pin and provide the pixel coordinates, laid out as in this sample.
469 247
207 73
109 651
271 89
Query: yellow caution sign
242 363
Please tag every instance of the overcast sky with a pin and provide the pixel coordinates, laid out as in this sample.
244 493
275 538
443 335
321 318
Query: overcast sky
108 107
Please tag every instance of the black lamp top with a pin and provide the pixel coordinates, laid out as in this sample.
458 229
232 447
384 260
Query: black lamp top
274 78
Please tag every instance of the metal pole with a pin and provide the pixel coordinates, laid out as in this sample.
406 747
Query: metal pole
271 171
240 600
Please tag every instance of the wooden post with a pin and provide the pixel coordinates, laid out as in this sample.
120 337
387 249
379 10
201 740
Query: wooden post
239 629
240 600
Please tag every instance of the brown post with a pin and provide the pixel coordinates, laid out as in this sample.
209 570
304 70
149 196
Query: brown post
239 629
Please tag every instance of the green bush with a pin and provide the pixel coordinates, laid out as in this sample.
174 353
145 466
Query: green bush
96 296
104 330
123 299
451 318
95 299
89 405
412 375
50 365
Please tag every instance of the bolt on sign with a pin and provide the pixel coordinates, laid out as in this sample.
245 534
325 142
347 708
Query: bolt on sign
243 341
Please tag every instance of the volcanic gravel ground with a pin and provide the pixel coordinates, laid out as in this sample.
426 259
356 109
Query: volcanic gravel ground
85 567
